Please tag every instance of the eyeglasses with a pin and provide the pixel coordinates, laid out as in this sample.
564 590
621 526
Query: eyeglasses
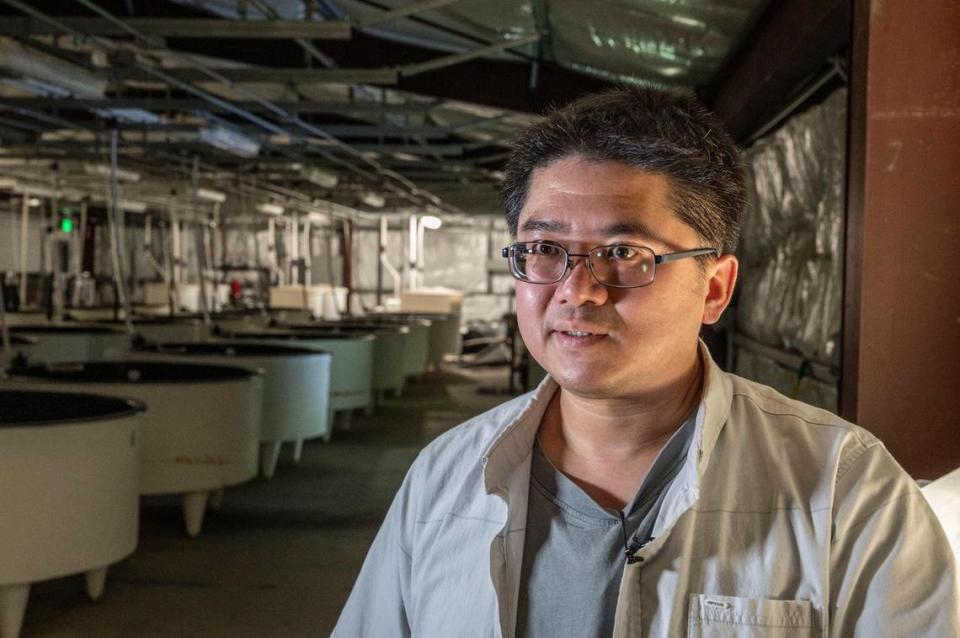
617 266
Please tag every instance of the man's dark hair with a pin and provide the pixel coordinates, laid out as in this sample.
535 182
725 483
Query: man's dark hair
655 131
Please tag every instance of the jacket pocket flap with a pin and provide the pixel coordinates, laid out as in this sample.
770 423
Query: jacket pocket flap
755 612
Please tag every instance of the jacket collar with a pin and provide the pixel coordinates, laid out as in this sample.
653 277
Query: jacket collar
515 441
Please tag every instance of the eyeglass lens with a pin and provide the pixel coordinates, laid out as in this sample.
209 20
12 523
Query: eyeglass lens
621 265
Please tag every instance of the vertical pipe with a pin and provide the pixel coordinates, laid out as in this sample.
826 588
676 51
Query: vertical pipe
176 263
82 233
114 219
199 242
347 264
272 261
381 253
491 255
307 252
46 254
24 243
294 241
4 331
412 252
169 267
419 269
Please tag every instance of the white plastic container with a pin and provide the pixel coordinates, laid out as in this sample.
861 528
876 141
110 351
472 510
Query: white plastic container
322 300
445 336
351 371
416 350
69 491
389 350
201 431
296 388
444 301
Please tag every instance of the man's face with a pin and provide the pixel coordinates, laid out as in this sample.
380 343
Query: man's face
641 338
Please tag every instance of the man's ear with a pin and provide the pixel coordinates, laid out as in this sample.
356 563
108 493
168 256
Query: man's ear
722 279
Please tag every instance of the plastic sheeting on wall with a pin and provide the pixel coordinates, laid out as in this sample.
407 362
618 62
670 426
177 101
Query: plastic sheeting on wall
791 247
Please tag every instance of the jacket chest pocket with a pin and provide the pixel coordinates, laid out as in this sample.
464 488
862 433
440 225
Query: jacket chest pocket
722 616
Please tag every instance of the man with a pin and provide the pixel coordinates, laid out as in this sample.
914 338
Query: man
640 490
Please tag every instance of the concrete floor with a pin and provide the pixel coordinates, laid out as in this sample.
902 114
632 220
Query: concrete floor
280 556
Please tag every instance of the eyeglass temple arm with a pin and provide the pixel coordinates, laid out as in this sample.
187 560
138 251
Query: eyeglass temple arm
667 258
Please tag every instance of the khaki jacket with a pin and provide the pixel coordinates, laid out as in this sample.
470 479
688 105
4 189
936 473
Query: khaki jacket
785 521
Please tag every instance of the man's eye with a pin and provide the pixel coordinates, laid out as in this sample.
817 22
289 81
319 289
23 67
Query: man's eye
622 252
542 249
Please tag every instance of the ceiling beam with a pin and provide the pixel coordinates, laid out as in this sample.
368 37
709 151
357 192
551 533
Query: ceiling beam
269 75
185 28
496 83
404 11
791 43
417 68
194 104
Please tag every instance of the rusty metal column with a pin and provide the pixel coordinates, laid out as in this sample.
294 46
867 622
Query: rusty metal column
901 364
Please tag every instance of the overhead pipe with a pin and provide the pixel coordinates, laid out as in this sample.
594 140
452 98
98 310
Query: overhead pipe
50 70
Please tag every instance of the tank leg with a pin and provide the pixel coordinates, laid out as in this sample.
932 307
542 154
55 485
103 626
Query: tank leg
269 454
216 499
13 605
194 507
297 450
96 579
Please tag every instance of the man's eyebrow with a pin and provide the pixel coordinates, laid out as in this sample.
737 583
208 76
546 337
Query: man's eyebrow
633 228
545 226
618 228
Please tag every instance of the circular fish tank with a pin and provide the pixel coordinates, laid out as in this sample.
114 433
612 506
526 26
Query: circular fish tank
66 460
444 333
351 371
296 388
201 432
389 350
73 342
159 328
416 352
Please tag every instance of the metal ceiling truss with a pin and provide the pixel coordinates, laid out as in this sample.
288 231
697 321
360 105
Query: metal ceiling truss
184 28
163 103
394 182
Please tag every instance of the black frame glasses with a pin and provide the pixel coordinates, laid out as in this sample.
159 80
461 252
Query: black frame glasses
647 267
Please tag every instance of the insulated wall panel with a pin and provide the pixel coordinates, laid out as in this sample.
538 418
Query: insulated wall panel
791 247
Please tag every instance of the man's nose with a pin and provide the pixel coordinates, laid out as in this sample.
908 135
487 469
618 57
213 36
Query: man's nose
579 286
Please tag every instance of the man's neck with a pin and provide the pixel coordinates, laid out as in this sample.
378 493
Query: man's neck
607 446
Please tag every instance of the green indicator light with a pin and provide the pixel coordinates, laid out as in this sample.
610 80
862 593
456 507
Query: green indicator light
66 225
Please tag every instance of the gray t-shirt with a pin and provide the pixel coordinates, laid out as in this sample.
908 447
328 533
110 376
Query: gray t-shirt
573 553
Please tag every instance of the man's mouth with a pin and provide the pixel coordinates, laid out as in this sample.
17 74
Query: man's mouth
571 338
